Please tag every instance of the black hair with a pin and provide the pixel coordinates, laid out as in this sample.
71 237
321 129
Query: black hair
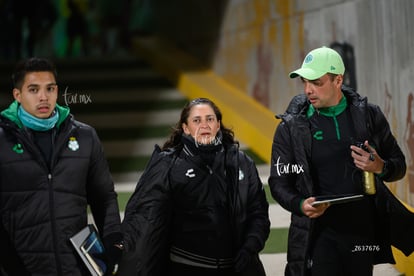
31 65
174 141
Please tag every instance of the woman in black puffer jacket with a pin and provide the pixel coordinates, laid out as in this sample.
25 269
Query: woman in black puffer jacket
200 207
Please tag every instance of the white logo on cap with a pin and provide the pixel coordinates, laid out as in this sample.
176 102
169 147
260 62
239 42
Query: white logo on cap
308 58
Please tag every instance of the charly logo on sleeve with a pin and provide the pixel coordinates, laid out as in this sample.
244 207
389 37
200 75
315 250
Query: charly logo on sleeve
283 168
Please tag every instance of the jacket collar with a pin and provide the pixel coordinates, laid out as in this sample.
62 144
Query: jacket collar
331 111
11 113
300 104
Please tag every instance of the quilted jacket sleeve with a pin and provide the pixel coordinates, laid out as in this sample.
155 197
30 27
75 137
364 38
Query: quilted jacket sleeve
387 146
147 219
257 217
283 185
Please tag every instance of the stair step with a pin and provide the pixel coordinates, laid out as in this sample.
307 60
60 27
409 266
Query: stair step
131 119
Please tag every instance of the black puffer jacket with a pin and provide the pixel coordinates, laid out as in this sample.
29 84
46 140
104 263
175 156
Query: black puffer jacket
292 145
177 180
42 207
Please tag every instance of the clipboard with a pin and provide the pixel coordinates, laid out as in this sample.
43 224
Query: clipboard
336 199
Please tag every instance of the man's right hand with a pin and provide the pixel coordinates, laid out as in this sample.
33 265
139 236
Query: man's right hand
313 211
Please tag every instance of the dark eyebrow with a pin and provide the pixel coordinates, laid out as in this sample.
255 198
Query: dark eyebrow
207 116
37 85
311 81
33 85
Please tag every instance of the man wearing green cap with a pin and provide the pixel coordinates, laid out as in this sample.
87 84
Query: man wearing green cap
335 137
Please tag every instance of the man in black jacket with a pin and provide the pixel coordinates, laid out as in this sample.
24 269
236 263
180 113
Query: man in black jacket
52 167
329 139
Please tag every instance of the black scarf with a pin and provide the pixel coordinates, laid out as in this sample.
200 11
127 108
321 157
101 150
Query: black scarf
207 152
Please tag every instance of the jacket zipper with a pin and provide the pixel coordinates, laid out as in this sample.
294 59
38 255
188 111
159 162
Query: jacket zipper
36 152
53 224
56 147
27 137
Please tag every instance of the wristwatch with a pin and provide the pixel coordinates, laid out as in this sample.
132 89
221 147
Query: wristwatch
384 168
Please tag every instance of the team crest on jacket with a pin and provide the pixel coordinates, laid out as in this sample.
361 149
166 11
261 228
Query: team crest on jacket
241 174
73 144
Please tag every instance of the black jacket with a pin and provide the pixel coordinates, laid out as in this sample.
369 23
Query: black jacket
292 145
177 180
41 205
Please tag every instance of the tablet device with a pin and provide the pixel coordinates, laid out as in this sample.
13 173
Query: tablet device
335 199
90 249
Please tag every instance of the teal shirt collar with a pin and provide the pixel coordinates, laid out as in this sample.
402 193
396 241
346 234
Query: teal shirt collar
331 111
11 113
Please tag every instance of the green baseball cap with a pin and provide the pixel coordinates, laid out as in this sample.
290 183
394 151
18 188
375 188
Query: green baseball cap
318 62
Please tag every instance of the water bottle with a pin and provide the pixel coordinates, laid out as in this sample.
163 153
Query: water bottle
368 178
369 183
